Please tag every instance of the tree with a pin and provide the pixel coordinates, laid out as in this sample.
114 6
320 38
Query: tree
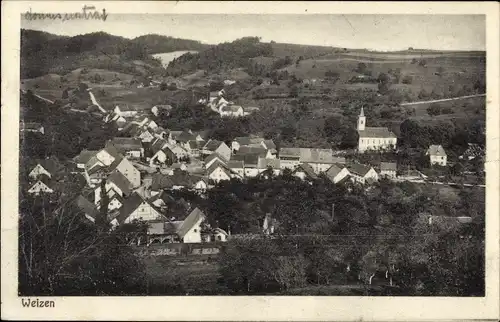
434 109
349 139
422 63
163 86
65 94
383 78
383 88
294 91
172 87
407 79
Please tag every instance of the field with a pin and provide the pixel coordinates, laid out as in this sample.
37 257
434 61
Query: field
182 275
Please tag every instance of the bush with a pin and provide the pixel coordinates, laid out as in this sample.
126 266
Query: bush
407 80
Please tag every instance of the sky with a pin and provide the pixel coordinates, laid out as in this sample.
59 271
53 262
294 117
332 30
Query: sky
375 32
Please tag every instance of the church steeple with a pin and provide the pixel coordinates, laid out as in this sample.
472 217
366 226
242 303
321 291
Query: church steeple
361 120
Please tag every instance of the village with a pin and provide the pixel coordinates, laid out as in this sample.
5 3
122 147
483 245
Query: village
138 168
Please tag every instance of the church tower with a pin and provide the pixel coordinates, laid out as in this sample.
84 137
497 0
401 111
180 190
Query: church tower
361 120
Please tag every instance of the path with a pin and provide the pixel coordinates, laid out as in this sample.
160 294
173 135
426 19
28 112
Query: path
442 183
94 101
442 100
38 96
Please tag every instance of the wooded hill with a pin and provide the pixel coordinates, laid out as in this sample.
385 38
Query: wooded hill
43 53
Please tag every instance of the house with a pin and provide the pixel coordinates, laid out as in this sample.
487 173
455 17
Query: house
164 109
255 150
88 209
32 127
362 173
245 141
305 171
116 183
200 183
136 208
319 159
219 147
219 235
237 166
289 158
437 155
337 173
213 158
145 135
190 229
130 147
42 185
47 167
231 111
272 164
194 148
84 157
219 172
125 111
128 170
156 153
388 169
250 163
374 138
269 145
176 151
269 225
160 132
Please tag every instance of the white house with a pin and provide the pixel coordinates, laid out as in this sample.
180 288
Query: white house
219 172
362 173
47 167
116 183
214 157
219 147
136 208
127 169
40 187
190 230
130 147
231 111
337 172
237 166
437 155
374 138
157 108
388 169
246 141
289 158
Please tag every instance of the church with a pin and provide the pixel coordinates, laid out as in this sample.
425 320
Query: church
374 138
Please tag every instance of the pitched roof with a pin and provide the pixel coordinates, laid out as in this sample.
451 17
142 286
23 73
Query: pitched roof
250 160
231 108
308 155
121 182
164 107
85 156
185 136
161 181
290 152
126 144
157 145
212 145
112 150
376 132
172 227
235 164
87 207
216 165
193 144
307 169
130 204
269 144
215 156
333 171
388 166
246 140
436 150
31 125
263 163
190 221
359 169
52 165
260 150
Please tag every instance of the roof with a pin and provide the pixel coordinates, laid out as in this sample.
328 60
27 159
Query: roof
235 164
172 227
185 136
264 163
193 144
158 145
308 155
436 150
376 132
112 150
250 160
31 125
85 156
333 171
50 164
130 204
87 207
126 144
290 152
212 145
246 140
190 221
359 169
117 178
307 169
214 156
388 166
126 108
252 150
161 181
216 165
270 144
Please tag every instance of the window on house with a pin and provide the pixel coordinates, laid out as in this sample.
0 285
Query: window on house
195 230
219 237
